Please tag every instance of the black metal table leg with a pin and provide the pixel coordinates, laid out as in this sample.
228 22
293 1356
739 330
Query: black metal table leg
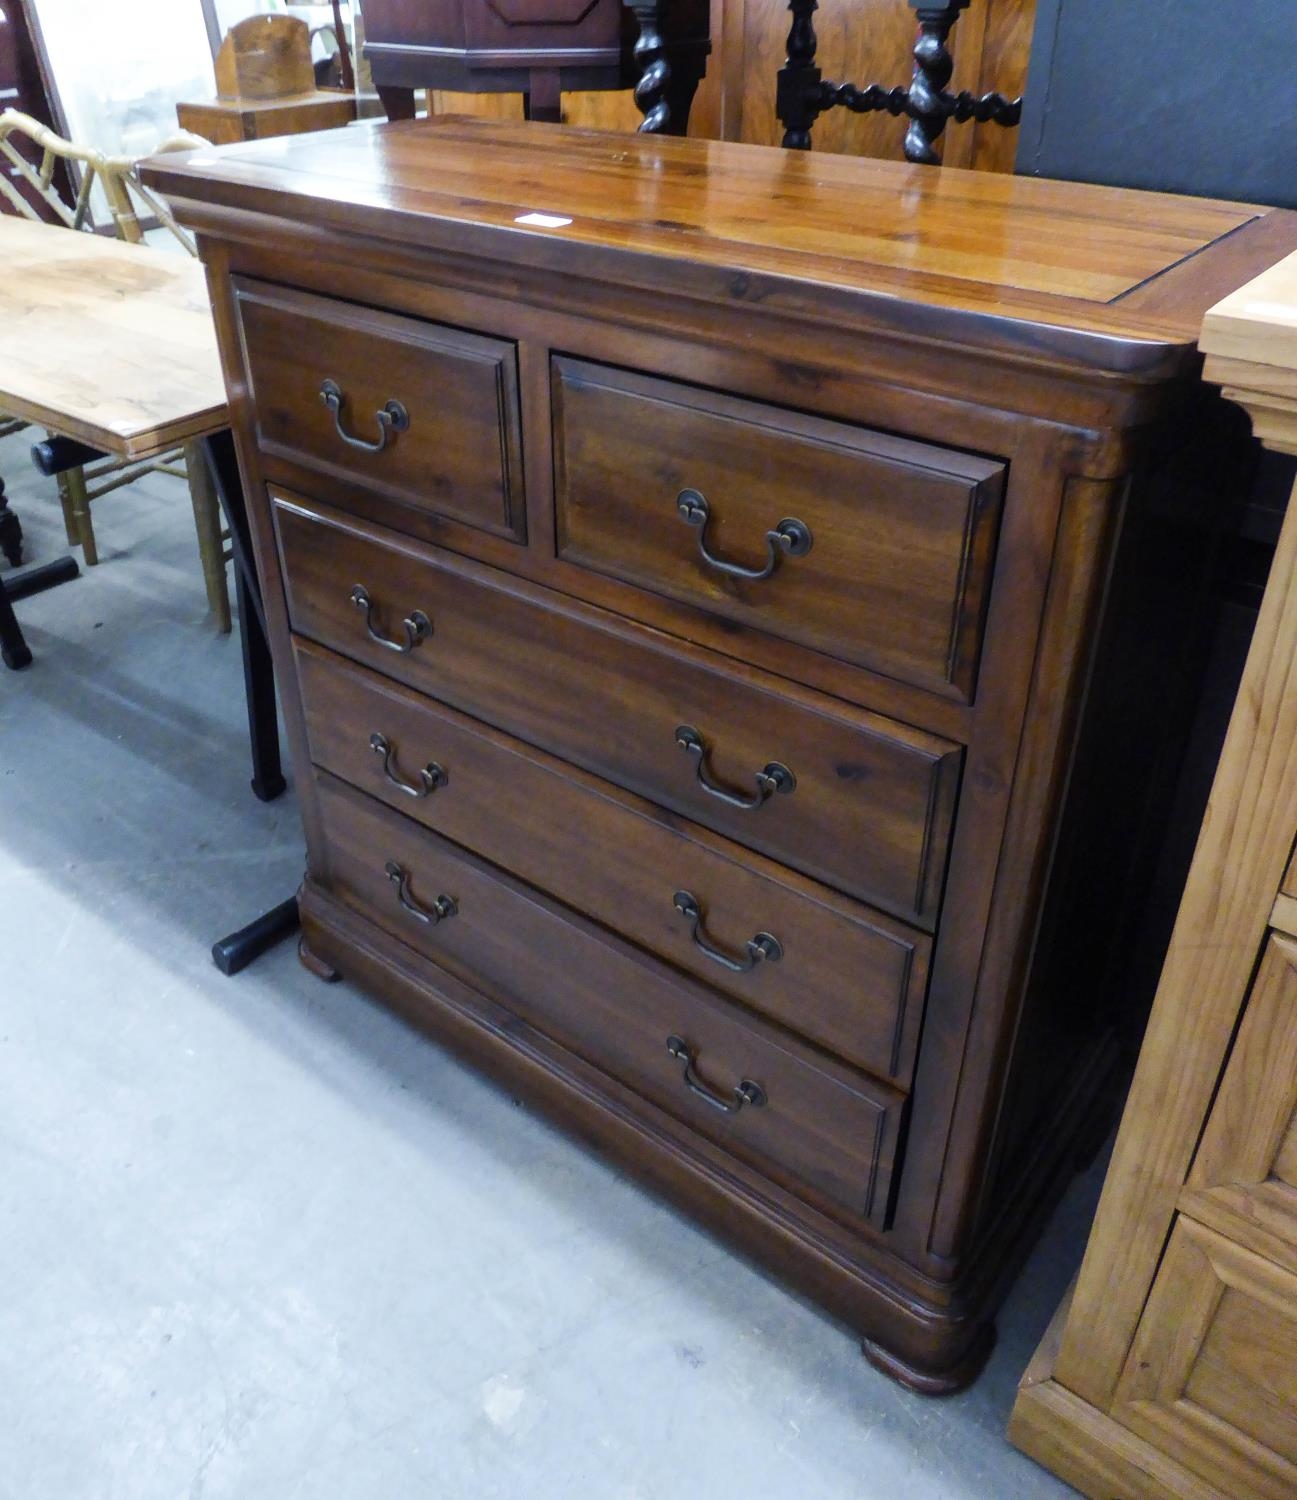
258 670
13 649
239 949
11 532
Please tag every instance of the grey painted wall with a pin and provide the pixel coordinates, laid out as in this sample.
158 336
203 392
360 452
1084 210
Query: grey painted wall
1190 96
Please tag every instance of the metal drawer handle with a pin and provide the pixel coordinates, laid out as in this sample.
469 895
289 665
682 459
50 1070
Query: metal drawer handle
431 777
441 908
765 947
745 1092
775 778
392 417
418 627
791 538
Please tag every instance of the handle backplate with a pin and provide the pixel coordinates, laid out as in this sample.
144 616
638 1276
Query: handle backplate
775 777
417 626
765 947
744 1092
790 538
392 417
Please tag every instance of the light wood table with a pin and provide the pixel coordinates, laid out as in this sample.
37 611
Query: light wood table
1171 1371
112 346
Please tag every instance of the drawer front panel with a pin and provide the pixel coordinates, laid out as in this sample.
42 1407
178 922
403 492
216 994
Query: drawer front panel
820 1127
1212 1374
841 976
873 800
878 549
421 414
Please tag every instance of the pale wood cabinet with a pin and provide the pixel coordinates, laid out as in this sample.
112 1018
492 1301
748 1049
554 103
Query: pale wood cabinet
1171 1371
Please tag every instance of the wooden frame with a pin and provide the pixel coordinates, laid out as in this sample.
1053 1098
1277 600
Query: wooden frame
1172 1369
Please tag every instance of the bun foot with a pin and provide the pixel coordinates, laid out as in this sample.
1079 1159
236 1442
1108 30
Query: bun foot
928 1382
314 964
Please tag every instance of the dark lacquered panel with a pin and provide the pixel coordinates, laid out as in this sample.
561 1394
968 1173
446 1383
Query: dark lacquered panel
873 801
814 1123
423 415
863 546
836 972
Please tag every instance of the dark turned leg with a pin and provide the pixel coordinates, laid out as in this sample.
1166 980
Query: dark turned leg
397 102
258 670
930 104
13 649
682 85
11 532
802 95
652 90
798 81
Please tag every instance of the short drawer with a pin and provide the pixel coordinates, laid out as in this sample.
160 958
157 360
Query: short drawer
869 548
822 965
867 803
813 1123
421 414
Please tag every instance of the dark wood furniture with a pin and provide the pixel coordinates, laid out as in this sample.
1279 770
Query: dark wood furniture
540 48
802 94
729 629
21 88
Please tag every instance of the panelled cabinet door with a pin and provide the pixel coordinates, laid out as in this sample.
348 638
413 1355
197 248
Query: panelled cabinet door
1212 1374
1244 1177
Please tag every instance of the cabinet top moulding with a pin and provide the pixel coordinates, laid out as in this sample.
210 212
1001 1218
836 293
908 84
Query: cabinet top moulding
1110 282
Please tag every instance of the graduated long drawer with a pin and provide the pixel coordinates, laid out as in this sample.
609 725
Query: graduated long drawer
871 808
823 965
822 1129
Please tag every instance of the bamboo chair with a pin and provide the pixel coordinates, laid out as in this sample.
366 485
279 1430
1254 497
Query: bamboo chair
118 177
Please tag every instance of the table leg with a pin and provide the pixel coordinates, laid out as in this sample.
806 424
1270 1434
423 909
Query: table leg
239 949
11 532
397 102
14 651
258 670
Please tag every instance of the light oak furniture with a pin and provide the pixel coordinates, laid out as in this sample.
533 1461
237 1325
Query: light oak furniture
265 86
728 602
1171 1371
111 344
79 483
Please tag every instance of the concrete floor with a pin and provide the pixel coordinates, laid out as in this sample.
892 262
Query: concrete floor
259 1241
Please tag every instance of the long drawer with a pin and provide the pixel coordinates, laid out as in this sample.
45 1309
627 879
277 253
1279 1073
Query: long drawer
816 962
861 545
850 798
421 414
769 1100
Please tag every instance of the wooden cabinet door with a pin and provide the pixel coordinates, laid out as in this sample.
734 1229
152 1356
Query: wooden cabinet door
1212 1374
1244 1178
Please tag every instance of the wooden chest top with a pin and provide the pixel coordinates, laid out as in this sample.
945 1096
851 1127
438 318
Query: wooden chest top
1108 278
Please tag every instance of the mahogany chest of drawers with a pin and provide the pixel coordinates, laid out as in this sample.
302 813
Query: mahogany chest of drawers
731 607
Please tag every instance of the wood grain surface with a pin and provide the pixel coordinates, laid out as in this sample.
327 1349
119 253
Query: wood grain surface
155 376
966 251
